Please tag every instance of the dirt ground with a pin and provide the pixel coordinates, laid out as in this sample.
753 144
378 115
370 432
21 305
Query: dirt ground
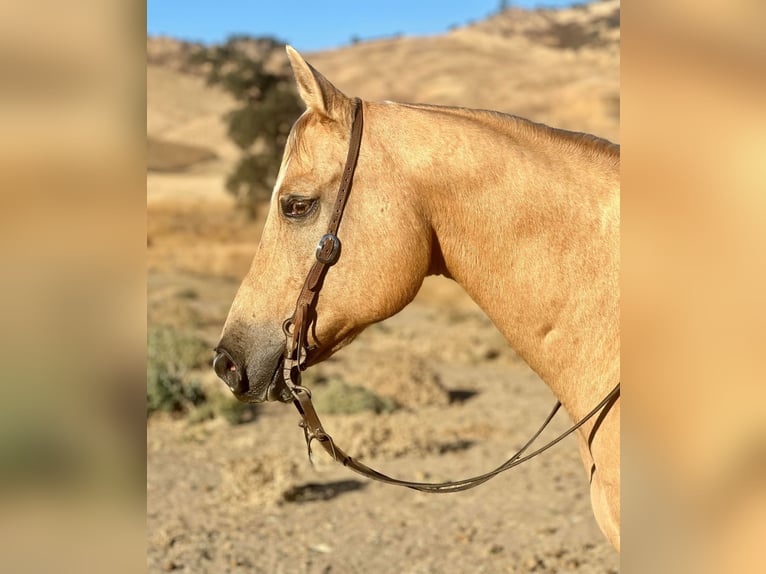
245 498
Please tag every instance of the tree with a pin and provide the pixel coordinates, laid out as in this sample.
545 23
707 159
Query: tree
247 68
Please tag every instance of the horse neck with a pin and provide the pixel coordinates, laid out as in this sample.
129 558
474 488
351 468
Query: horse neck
526 219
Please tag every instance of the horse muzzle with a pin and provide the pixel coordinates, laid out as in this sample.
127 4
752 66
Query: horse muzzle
248 384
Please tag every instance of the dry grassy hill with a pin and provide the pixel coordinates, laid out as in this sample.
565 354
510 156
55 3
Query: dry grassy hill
559 67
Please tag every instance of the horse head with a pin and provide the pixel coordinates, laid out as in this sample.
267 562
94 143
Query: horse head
386 244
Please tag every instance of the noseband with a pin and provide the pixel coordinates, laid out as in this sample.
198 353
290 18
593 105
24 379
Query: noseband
297 348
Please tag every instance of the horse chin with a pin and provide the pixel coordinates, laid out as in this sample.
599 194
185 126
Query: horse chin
277 390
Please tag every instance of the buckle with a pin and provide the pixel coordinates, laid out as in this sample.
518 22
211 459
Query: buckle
334 250
287 327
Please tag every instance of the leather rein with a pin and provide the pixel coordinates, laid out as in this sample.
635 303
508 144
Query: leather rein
297 328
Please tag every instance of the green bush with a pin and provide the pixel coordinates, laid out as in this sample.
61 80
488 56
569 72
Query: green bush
338 397
233 411
267 106
178 351
170 357
225 406
169 392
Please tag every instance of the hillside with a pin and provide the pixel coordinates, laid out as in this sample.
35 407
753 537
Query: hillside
559 67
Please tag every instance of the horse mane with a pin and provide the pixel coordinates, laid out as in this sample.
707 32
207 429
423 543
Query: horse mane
592 145
585 141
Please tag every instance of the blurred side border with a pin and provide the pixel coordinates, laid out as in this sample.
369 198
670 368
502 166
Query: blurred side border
73 309
693 137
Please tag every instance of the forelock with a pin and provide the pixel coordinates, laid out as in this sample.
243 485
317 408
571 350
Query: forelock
295 142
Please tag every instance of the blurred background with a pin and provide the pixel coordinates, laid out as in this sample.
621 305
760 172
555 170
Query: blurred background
124 194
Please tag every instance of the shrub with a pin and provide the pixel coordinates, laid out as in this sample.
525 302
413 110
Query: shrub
168 392
338 397
233 411
170 357
268 104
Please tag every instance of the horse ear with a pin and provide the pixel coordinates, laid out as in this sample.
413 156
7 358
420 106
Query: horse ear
315 90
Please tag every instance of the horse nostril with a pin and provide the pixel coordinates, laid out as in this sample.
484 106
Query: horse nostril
228 370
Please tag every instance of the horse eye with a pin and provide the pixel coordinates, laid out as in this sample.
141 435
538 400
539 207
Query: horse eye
296 208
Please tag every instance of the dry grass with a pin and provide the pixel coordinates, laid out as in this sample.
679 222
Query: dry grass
166 156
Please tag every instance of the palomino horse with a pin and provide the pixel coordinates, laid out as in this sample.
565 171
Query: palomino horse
523 216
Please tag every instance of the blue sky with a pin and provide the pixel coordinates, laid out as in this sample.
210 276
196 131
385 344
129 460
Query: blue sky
317 24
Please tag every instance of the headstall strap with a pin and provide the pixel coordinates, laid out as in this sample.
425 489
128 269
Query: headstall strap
297 327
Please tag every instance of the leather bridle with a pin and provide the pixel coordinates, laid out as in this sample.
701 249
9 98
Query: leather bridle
297 348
